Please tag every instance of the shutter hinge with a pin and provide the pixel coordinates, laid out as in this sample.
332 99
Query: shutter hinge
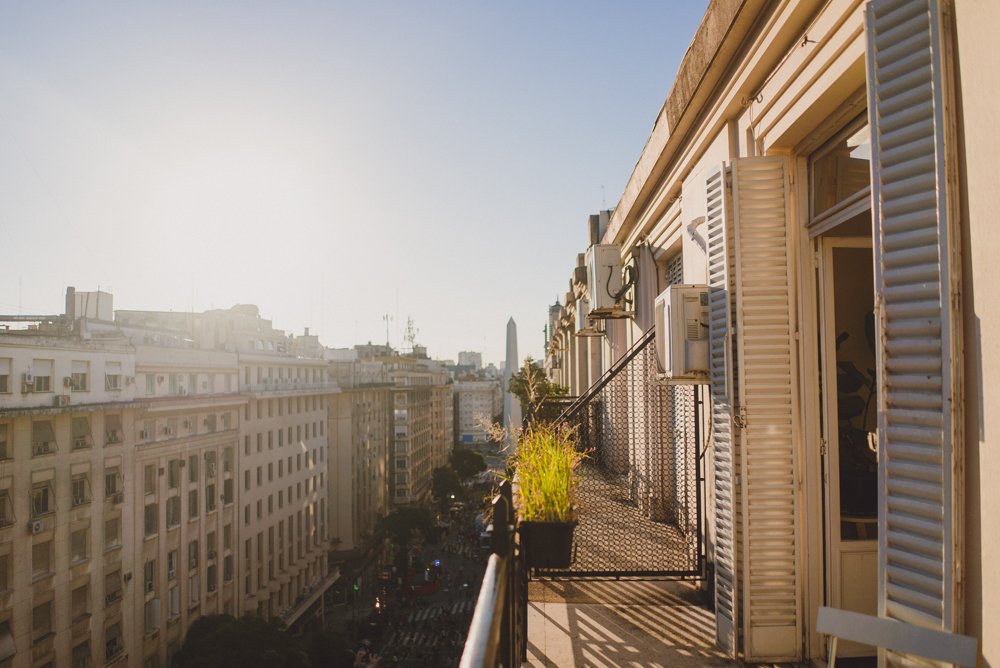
822 447
740 420
815 260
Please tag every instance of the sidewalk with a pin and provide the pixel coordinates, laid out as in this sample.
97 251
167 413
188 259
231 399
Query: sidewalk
609 624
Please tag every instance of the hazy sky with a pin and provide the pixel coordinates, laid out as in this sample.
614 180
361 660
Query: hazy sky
329 162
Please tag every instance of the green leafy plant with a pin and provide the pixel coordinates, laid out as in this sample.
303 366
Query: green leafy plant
534 391
546 463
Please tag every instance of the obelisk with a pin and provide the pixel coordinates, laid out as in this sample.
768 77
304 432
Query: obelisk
511 404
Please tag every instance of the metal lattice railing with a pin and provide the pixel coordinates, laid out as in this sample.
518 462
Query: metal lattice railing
639 494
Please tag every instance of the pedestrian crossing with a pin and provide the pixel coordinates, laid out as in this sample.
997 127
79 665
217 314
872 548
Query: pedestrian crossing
431 613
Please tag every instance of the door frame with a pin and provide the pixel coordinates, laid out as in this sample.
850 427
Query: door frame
829 435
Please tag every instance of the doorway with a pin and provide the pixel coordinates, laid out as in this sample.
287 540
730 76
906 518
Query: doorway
850 408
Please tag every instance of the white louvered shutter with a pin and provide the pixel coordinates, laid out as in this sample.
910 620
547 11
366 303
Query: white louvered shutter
721 386
647 288
917 280
765 327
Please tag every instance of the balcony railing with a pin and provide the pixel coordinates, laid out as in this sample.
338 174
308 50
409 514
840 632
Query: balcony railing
498 635
279 386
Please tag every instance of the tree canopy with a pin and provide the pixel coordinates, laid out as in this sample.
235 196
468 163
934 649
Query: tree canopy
402 522
467 463
533 389
445 483
223 641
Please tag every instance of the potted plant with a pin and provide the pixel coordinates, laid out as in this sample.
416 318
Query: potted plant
545 466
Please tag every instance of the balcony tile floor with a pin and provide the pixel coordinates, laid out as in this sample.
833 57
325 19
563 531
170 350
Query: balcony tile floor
619 624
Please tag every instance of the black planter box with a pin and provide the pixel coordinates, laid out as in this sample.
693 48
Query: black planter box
547 544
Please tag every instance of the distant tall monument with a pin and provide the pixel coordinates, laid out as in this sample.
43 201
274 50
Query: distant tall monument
511 404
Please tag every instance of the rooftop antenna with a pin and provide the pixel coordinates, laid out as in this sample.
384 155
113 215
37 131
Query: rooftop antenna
411 333
387 319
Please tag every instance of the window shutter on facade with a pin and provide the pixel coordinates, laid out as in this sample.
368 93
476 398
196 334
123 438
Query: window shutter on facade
720 301
917 283
647 287
765 324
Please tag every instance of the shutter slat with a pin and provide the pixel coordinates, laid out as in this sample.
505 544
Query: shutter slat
767 391
721 383
918 326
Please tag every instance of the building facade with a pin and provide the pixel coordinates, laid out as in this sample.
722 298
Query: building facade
67 416
820 169
476 403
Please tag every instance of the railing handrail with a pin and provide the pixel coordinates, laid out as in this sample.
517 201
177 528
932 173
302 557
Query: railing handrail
484 632
498 632
615 369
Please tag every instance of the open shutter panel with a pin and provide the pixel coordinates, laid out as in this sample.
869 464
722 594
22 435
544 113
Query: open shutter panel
721 387
917 282
767 399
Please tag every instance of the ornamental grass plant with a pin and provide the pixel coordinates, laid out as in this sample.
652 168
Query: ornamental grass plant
545 464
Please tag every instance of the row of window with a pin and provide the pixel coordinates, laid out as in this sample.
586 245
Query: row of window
193 465
288 405
153 430
179 384
316 456
266 375
40 376
311 485
295 434
44 441
151 518
43 562
308 523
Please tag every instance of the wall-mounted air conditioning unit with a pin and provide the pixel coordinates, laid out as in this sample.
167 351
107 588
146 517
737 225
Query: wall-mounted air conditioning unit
604 277
159 379
37 526
681 321
211 470
68 381
27 378
144 434
584 325
118 498
60 400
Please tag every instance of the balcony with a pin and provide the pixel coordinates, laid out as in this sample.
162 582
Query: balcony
313 593
564 623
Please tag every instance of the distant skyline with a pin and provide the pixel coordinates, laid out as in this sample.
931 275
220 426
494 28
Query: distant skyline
331 163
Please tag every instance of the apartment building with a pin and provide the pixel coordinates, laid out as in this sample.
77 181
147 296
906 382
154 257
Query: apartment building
360 423
270 406
422 436
67 430
472 359
823 169
476 402
187 432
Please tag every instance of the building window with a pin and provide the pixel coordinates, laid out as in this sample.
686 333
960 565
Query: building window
193 468
112 587
112 376
281 438
174 473
81 433
81 656
270 504
80 490
5 450
113 645
172 384
209 498
192 383
5 376
149 576
270 472
112 534
227 491
148 431
80 372
193 554
151 523
193 590
227 460
112 428
79 604
246 445
42 370
78 545
260 442
173 511
41 621
41 559
227 568
211 578
246 514
42 500
149 479
43 438
174 596
192 504
260 476
246 479
270 440
150 384
260 508
171 564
